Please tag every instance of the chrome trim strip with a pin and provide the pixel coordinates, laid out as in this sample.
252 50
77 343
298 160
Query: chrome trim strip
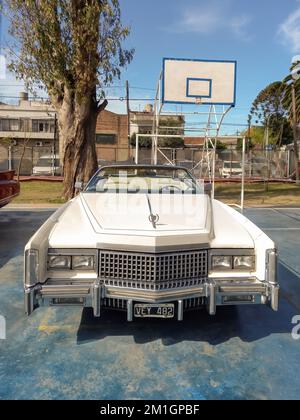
151 296
70 251
153 249
96 300
68 290
212 299
180 310
251 288
129 310
275 297
29 301
232 252
271 267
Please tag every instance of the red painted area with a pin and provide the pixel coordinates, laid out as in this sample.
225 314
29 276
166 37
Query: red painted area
9 187
41 178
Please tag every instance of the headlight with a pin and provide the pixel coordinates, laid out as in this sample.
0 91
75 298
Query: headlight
221 263
83 263
244 263
60 262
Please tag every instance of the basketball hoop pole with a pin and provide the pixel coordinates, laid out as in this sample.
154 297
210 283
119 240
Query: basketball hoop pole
218 129
155 126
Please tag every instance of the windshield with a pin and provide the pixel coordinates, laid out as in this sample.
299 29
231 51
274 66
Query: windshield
149 180
233 165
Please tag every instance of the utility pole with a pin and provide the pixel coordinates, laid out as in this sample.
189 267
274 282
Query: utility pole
128 111
295 132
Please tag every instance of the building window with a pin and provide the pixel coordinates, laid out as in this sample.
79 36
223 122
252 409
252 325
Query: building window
9 124
106 138
40 126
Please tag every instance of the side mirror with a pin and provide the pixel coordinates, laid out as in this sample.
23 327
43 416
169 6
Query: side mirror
79 186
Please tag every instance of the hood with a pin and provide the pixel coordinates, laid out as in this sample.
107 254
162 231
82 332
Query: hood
123 212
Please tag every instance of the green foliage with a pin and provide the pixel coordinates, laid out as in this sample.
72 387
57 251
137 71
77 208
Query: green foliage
258 135
249 144
67 47
146 142
270 111
220 146
6 141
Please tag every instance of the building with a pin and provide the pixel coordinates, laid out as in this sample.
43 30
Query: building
231 142
29 131
142 122
28 128
112 137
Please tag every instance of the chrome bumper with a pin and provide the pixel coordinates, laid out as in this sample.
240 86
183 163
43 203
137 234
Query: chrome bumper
215 292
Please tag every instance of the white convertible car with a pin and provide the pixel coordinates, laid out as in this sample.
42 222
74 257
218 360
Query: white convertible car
149 241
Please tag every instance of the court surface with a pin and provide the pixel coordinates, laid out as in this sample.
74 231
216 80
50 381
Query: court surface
65 354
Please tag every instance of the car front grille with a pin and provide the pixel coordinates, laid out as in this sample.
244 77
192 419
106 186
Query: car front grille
153 271
121 304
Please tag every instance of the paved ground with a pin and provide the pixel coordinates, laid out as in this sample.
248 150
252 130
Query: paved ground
64 353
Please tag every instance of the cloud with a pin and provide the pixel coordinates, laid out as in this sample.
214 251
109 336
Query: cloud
210 19
289 31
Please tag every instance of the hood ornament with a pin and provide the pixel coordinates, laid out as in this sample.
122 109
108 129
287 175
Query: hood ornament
153 218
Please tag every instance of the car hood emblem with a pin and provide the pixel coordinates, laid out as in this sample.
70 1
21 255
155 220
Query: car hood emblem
153 218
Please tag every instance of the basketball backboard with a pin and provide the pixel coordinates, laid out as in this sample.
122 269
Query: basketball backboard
199 81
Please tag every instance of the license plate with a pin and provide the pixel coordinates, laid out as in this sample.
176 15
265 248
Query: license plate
154 311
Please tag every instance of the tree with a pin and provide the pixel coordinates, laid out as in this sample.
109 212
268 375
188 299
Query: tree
249 143
72 49
269 111
220 146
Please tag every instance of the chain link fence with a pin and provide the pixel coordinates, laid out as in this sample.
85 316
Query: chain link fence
275 164
279 164
30 160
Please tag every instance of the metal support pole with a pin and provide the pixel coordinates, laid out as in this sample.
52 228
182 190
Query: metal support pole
243 176
137 149
9 159
296 151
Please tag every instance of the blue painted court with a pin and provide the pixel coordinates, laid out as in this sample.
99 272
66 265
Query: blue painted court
65 353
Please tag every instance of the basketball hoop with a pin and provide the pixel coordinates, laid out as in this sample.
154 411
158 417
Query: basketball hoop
199 82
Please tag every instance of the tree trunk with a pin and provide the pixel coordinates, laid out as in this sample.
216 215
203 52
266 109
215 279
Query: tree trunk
77 127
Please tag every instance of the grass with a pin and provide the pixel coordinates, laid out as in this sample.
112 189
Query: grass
40 192
275 194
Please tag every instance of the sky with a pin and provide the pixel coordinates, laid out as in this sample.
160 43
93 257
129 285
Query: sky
262 35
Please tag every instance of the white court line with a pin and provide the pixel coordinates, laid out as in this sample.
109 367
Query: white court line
272 208
24 209
284 229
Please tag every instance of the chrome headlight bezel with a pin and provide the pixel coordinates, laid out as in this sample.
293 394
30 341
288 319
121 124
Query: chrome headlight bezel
223 261
75 260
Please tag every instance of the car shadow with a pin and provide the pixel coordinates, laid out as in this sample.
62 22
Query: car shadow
16 228
249 323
